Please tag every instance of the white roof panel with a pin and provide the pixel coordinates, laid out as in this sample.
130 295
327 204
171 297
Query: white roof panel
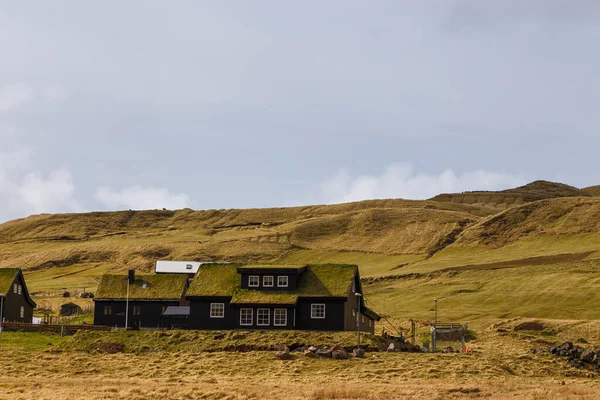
177 267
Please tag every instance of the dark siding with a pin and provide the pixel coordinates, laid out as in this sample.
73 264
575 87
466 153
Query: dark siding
14 301
334 315
350 321
150 313
200 314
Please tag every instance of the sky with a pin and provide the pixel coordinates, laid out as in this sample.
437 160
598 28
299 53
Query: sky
122 104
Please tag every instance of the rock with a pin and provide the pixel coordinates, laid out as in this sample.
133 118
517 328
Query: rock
339 353
281 347
566 346
283 355
553 350
324 352
391 347
300 349
358 353
529 326
310 354
312 348
587 356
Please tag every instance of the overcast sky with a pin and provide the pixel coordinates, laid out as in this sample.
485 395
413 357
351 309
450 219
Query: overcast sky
220 104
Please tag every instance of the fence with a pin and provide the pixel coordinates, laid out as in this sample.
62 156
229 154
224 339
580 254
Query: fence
62 329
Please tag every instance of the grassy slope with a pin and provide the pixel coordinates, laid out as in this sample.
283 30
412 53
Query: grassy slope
537 259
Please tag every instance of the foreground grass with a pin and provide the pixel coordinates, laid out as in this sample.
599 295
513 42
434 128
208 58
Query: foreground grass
502 367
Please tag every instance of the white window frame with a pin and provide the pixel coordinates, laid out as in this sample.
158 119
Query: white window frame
137 309
265 281
107 310
283 277
257 281
363 318
20 289
258 311
15 288
275 311
214 307
242 310
314 308
370 323
22 312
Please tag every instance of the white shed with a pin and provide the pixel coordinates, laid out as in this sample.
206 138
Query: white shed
177 267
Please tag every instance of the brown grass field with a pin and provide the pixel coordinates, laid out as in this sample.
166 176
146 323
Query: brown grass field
45 366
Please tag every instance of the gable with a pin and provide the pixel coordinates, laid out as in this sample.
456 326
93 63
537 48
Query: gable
10 276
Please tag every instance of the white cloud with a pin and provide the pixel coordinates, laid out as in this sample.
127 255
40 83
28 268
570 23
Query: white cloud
54 92
49 195
401 181
141 198
14 95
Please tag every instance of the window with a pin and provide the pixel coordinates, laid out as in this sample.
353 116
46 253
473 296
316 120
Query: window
370 323
263 316
317 311
137 310
280 317
107 310
253 281
353 313
22 312
188 266
20 289
15 288
217 310
245 316
363 319
267 281
282 281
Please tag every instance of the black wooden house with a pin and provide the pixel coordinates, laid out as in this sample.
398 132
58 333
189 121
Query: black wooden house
17 305
148 298
309 297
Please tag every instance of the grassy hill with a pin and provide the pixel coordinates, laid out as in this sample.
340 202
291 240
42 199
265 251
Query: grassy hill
529 251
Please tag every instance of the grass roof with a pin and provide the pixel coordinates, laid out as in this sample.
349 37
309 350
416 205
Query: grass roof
291 267
7 276
158 287
327 280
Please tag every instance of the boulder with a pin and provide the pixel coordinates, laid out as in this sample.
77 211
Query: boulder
358 353
566 346
283 355
587 356
324 352
309 354
391 347
339 353
312 348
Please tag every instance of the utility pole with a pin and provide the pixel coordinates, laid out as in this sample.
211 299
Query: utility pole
433 345
358 296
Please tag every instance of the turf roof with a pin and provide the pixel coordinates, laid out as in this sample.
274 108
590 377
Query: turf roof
158 287
327 280
7 276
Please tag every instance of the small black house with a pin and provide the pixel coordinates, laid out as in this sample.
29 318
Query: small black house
309 297
148 297
68 309
17 305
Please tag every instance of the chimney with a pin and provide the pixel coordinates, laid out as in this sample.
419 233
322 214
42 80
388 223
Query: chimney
131 276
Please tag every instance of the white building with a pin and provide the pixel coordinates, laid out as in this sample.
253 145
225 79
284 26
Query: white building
177 267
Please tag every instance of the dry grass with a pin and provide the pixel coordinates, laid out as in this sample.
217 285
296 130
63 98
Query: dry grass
501 368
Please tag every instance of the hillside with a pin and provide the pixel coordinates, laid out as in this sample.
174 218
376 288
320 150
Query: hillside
502 200
540 255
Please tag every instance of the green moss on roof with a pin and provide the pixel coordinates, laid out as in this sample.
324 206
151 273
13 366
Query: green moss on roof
7 276
327 280
159 287
272 266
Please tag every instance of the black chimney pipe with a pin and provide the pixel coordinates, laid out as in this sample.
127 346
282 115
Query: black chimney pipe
131 276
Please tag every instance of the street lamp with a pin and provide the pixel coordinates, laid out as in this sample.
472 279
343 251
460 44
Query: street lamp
358 296
435 324
1 312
